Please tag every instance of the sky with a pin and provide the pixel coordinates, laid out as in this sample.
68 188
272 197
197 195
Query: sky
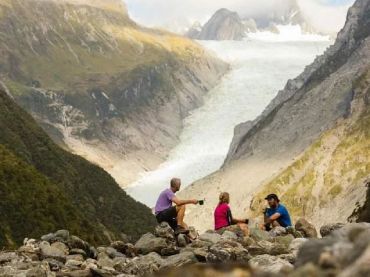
176 15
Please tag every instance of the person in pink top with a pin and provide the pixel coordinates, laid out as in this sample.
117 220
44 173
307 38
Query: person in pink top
223 215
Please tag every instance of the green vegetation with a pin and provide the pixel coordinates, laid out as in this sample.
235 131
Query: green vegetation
52 188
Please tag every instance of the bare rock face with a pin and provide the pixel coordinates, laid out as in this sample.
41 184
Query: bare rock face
224 25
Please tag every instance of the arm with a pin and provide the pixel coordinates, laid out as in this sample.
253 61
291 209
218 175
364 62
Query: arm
272 218
232 220
179 202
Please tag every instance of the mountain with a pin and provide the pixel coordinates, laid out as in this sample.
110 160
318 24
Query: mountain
228 25
311 144
223 25
102 86
44 188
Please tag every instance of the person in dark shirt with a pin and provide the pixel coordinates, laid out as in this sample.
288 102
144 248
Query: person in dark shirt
276 214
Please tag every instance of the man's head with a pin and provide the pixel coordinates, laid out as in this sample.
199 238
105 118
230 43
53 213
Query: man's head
273 200
175 184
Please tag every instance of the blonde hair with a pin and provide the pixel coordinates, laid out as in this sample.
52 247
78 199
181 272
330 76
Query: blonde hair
224 197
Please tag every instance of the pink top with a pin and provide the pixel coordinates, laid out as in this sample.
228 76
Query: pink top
222 215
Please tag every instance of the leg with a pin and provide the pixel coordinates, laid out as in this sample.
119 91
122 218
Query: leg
275 224
244 228
180 216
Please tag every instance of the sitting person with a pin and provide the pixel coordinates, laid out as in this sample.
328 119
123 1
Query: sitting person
224 218
173 215
276 214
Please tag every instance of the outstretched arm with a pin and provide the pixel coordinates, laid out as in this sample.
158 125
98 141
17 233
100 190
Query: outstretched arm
180 202
233 220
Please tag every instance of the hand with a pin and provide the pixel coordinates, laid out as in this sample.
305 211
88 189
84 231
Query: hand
194 201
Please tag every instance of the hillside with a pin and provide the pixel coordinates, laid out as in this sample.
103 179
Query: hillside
44 188
98 83
311 143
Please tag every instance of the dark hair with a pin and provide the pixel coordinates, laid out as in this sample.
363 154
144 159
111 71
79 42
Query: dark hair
272 196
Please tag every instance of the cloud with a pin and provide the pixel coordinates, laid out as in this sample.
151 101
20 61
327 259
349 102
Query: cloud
326 15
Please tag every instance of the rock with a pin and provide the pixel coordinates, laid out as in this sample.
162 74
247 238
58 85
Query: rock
307 229
291 258
54 265
291 230
76 242
73 264
49 237
103 272
149 243
144 265
169 251
78 273
113 253
200 253
283 240
182 259
6 257
270 264
228 235
361 267
227 252
105 262
211 237
48 251
278 231
119 246
181 240
326 230
63 235
327 260
259 235
76 251
309 252
260 248
164 230
61 246
296 244
200 243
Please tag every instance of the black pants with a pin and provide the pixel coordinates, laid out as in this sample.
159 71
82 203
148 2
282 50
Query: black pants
168 216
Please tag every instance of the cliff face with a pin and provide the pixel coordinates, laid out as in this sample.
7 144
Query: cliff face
310 145
99 84
44 188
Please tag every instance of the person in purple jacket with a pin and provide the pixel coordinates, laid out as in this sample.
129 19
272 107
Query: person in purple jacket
172 214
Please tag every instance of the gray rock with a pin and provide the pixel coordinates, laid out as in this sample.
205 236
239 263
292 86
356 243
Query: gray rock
182 259
270 264
144 265
306 228
149 243
62 234
296 244
211 237
113 253
181 240
48 251
228 235
227 252
6 257
327 229
258 235
278 231
164 230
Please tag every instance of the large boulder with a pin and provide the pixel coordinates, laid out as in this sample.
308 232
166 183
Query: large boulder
306 228
142 266
150 243
259 235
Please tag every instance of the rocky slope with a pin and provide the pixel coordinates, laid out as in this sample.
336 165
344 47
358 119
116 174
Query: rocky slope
98 83
44 188
223 25
311 144
344 251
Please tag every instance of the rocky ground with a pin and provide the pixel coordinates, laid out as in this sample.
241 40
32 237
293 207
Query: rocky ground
343 250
